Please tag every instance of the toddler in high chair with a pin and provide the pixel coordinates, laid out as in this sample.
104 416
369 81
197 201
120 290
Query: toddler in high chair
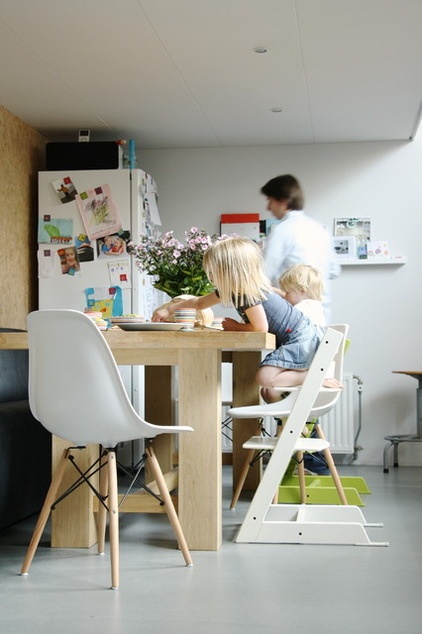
302 286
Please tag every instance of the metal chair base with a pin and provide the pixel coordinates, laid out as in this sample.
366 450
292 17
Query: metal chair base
394 441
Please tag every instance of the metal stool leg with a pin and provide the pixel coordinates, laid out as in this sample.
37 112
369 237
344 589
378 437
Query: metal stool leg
396 454
385 456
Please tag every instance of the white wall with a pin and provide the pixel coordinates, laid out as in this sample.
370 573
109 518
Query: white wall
383 305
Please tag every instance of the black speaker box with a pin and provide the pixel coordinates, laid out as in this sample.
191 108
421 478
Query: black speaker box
83 156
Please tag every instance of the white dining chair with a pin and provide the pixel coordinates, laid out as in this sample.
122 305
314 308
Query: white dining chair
76 392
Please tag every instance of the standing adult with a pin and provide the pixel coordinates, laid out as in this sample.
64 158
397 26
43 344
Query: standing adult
296 238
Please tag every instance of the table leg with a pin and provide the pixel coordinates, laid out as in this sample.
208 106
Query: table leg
200 481
159 410
245 392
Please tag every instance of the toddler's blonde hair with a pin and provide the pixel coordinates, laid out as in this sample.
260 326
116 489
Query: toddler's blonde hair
235 267
303 278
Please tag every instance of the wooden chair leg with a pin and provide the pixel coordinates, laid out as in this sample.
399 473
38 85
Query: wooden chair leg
279 431
113 510
168 503
301 474
245 469
102 511
332 467
242 477
275 498
45 511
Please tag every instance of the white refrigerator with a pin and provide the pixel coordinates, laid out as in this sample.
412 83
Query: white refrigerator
85 220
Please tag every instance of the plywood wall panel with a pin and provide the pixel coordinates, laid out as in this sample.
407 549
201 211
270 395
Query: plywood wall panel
22 154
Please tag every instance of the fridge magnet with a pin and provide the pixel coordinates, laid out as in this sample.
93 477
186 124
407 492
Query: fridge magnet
111 245
65 189
55 230
345 247
69 260
84 248
98 212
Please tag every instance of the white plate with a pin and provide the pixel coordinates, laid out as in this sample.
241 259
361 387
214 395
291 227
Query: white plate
151 325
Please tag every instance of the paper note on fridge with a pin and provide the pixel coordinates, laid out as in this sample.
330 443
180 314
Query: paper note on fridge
105 300
55 230
119 273
98 212
46 260
151 209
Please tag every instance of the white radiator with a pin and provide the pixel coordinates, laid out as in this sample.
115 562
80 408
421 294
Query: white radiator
338 424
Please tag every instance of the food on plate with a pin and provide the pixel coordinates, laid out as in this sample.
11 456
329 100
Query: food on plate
127 317
101 323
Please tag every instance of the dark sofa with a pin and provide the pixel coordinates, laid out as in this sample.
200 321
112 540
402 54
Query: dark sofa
25 446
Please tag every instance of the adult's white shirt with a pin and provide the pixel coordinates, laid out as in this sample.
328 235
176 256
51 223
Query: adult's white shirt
299 239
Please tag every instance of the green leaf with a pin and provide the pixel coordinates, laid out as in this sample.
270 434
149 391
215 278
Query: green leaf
52 231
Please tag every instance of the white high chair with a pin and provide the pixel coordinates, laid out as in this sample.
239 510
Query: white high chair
325 401
289 523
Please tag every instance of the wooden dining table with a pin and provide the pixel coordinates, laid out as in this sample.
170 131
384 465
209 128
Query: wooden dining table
198 356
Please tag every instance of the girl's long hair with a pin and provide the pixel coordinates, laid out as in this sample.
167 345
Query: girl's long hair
235 267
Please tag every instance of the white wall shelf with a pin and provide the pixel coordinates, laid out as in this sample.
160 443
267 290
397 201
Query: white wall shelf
398 260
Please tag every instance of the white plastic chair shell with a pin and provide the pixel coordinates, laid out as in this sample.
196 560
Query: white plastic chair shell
75 387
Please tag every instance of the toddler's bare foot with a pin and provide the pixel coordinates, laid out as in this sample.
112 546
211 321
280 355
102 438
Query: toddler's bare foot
332 383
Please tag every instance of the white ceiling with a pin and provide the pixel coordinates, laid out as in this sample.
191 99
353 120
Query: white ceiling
182 73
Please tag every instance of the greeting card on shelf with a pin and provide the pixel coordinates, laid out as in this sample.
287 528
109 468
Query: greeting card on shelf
378 250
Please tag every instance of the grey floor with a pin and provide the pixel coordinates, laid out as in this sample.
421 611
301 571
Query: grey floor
242 588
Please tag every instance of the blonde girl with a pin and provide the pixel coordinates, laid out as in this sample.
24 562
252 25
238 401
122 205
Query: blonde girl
235 267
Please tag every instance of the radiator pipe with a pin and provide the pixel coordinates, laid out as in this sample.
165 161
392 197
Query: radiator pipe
356 447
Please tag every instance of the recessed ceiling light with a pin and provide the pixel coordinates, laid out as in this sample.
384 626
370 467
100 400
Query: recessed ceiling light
260 49
276 109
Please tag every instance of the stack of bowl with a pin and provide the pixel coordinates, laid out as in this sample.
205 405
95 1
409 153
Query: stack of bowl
185 316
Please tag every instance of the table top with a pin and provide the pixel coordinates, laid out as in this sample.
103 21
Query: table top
200 338
197 338
416 374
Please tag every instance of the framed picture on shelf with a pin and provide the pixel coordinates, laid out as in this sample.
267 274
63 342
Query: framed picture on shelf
345 247
360 228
